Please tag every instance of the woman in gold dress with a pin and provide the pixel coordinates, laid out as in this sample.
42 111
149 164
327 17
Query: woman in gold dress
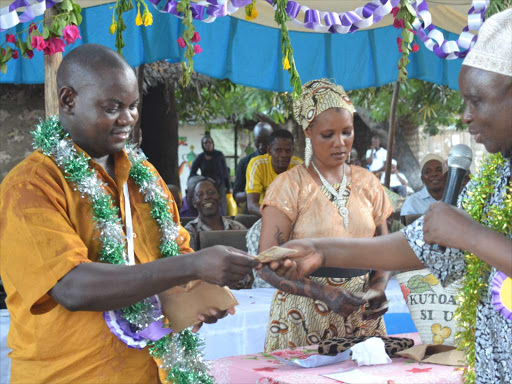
325 197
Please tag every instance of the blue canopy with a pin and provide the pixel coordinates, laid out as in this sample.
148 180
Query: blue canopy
250 54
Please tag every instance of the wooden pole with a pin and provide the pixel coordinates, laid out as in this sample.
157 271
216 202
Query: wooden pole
391 134
51 64
137 132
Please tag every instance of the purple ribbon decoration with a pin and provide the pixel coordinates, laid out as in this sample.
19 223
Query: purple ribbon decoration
434 39
28 14
138 340
497 301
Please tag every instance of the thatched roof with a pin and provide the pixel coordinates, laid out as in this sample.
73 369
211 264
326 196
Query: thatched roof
162 72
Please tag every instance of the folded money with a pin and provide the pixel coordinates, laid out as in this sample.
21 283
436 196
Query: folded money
274 254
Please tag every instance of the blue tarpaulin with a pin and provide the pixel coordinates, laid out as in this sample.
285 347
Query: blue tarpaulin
250 54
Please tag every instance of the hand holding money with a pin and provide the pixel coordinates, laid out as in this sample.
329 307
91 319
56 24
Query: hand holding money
275 254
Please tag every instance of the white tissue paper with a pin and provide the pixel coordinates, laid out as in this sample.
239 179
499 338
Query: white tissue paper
370 352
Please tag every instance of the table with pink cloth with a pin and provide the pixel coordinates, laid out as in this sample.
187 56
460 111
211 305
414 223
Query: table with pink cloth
262 368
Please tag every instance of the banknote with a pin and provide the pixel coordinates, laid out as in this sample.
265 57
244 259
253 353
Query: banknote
275 253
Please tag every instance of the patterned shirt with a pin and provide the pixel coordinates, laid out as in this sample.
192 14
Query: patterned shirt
493 348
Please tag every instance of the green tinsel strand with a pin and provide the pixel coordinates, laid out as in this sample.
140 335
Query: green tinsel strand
140 174
159 348
160 210
189 340
132 312
78 168
169 248
47 134
104 209
112 252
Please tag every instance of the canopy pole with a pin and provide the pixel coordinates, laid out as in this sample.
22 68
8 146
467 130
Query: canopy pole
137 131
391 134
51 65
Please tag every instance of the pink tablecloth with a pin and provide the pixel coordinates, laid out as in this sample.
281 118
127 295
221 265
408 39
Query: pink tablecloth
262 368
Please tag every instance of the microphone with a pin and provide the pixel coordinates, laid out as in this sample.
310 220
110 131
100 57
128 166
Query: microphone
459 161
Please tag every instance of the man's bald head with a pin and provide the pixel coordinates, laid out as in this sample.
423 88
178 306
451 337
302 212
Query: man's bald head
86 64
262 132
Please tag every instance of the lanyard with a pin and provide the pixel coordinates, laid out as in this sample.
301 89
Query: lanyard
129 224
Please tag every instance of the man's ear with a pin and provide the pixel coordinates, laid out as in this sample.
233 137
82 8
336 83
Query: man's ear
67 98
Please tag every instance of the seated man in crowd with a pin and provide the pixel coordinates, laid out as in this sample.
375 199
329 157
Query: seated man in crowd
206 200
262 170
262 132
79 246
376 156
397 181
188 210
434 180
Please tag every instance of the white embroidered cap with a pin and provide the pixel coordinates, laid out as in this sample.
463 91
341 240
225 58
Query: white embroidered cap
493 50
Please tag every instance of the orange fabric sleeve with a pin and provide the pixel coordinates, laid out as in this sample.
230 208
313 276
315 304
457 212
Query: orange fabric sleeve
38 244
283 194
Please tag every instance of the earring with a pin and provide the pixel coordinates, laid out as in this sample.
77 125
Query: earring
308 152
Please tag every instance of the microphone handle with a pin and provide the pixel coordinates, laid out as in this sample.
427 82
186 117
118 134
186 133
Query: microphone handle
451 193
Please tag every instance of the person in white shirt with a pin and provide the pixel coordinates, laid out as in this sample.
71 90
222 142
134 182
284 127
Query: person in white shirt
376 156
397 182
434 179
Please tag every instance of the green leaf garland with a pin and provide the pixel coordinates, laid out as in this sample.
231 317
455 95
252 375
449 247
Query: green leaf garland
281 17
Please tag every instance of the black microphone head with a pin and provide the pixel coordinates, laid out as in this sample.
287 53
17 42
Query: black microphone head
460 156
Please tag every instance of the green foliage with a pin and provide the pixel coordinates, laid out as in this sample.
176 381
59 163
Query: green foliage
496 6
223 103
420 103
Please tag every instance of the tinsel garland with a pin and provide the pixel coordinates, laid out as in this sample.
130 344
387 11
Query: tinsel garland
475 281
179 354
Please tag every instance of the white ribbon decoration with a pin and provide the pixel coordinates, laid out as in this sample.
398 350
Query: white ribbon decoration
9 19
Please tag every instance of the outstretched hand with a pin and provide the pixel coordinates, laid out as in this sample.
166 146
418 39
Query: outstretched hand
300 264
224 265
211 317
448 226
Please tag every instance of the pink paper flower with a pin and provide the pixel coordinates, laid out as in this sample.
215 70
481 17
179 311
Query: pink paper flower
38 43
395 10
399 43
197 49
415 47
10 38
195 38
181 42
32 27
398 23
54 45
15 54
70 33
30 53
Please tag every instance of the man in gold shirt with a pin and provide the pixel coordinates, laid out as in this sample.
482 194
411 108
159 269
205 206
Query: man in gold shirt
262 170
50 245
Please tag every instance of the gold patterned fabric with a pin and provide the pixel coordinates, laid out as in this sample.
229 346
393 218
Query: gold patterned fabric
296 320
318 96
